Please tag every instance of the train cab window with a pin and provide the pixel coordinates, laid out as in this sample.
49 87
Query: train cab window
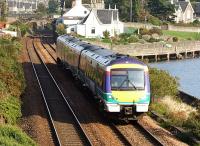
127 79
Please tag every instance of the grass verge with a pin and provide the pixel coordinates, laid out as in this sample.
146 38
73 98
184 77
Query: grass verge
13 136
182 35
12 85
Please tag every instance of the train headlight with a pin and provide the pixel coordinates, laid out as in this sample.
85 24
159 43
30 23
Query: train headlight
109 96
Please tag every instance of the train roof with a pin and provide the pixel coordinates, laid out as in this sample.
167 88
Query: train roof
101 55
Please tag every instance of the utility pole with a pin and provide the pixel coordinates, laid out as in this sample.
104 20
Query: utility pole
131 10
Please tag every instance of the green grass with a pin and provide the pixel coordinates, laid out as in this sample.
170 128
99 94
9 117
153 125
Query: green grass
130 30
12 85
183 35
10 108
13 136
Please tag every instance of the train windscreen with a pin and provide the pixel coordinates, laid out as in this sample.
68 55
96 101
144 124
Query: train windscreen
127 79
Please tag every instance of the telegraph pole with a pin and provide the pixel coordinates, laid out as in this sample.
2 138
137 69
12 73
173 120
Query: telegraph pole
131 10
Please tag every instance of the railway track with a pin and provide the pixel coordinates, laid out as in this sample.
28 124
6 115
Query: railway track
45 39
151 138
65 126
175 130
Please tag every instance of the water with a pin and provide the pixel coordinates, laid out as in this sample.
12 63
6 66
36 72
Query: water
188 72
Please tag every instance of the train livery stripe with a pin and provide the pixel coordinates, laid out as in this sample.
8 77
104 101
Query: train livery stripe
129 66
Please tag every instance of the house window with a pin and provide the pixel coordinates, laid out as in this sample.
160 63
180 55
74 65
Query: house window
72 29
93 30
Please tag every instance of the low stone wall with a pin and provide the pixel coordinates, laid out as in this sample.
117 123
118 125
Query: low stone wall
153 48
183 28
140 25
165 27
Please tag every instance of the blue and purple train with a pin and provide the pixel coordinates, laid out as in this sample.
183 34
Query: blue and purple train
119 82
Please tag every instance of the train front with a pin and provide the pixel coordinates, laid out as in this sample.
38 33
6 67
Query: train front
127 87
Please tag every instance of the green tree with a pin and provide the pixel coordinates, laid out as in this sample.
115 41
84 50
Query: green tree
162 83
52 6
124 7
161 9
60 29
41 9
3 10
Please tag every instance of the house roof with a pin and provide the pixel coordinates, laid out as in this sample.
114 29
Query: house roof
196 7
105 15
84 20
183 5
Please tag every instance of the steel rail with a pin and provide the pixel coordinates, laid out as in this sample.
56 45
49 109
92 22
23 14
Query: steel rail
148 133
65 99
53 129
48 50
123 138
48 43
175 130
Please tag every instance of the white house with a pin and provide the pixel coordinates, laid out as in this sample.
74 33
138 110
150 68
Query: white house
184 11
100 20
74 16
21 6
93 20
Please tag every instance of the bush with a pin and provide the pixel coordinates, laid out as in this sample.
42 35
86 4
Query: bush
155 30
10 109
115 40
12 85
106 34
162 83
196 22
193 124
154 20
144 31
10 135
151 40
175 39
133 39
60 29
124 35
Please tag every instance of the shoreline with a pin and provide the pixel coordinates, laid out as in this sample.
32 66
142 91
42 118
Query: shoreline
189 99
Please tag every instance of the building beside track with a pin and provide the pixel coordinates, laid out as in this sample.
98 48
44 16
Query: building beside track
23 7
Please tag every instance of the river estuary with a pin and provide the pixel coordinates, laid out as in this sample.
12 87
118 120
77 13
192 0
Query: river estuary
188 72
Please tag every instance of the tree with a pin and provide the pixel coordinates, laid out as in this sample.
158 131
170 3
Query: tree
52 6
3 10
128 9
161 9
41 9
60 29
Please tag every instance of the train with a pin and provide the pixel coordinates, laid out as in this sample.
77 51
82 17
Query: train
119 83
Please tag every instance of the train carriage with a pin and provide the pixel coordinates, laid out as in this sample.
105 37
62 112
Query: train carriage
120 83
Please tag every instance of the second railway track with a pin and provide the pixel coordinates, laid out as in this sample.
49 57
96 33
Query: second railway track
66 128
